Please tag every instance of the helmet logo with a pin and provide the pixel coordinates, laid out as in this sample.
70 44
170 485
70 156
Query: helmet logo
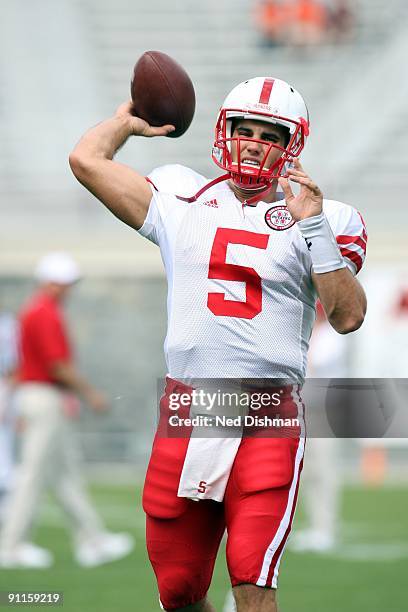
279 218
266 91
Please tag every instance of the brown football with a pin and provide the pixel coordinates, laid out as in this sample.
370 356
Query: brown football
162 92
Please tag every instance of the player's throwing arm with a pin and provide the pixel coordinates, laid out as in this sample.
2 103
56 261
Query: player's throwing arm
163 94
125 192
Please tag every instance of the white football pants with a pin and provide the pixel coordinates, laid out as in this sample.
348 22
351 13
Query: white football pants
321 482
7 428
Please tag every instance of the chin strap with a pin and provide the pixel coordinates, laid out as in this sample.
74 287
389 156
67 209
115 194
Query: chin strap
195 197
219 179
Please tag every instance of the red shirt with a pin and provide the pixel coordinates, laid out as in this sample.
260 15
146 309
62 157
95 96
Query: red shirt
43 339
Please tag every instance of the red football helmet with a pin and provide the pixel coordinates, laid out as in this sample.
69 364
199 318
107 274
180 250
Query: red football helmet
262 99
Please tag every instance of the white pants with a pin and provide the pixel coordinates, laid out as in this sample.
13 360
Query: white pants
49 456
7 429
321 483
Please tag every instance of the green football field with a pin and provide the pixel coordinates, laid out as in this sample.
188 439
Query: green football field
368 572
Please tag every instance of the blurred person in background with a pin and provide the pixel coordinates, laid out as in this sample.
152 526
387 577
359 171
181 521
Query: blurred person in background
375 451
308 23
293 23
322 480
8 362
272 19
46 400
341 21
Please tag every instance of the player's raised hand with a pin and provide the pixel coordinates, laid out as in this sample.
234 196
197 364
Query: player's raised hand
139 126
309 201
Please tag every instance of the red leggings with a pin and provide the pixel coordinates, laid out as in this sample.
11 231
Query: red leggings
183 536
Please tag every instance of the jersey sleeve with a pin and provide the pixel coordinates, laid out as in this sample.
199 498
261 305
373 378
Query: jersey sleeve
154 224
176 179
350 231
167 182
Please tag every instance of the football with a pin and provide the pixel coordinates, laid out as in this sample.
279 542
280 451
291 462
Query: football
162 92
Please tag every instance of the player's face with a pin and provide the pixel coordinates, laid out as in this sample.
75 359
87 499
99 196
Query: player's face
253 152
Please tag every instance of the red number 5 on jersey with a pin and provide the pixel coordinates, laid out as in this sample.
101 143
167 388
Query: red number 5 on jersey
220 270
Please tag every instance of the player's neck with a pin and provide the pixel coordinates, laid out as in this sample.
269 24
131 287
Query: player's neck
244 195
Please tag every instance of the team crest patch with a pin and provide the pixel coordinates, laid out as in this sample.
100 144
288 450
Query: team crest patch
279 218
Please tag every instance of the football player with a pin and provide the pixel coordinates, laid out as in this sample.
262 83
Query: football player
246 258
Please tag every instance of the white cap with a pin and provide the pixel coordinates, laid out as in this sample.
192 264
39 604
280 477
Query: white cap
57 267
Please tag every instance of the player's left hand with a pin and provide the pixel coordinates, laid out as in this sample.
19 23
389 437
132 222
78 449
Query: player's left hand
309 201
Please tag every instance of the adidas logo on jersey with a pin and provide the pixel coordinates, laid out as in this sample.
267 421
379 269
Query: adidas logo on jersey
212 203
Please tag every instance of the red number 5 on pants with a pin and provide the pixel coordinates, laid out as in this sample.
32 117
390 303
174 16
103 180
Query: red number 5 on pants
220 270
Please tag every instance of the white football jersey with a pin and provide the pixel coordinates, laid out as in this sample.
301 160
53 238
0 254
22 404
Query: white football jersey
241 302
